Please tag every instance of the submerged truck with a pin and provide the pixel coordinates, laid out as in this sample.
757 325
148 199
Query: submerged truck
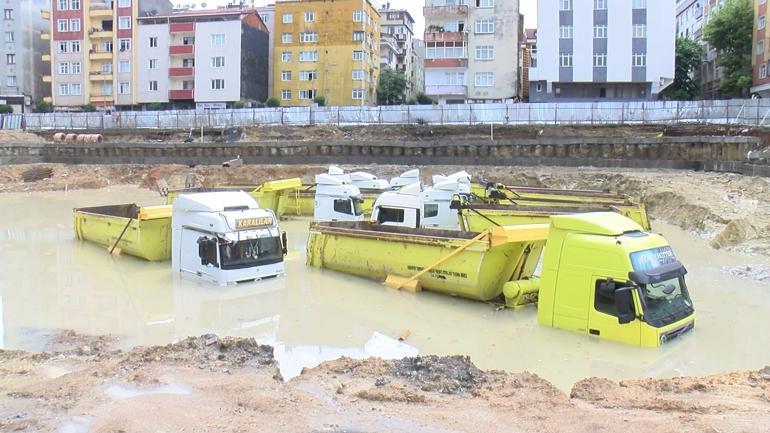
602 274
218 237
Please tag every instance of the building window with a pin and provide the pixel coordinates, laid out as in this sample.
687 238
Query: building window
75 5
600 60
152 64
286 38
640 4
124 88
309 16
124 66
308 37
358 16
62 26
288 18
124 3
125 45
217 84
357 94
75 89
124 23
154 42
218 62
485 79
358 36
265 18
308 75
285 75
600 32
565 60
63 5
454 78
63 47
485 3
10 81
639 59
485 26
9 36
358 56
307 94
640 31
75 67
600 4
761 22
308 56
565 5
190 63
218 40
285 95
153 86
64 90
565 32
485 52
358 75
762 71
64 68
760 46
286 57
75 25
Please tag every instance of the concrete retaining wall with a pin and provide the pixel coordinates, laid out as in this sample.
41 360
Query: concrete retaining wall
710 153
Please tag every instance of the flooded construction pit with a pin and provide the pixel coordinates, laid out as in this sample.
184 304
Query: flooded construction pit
49 282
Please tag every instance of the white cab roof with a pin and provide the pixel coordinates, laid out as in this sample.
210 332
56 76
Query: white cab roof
214 201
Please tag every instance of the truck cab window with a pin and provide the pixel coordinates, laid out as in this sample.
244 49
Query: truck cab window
431 210
207 251
388 215
343 206
604 299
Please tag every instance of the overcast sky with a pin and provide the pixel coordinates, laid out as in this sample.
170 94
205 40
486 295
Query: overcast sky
528 8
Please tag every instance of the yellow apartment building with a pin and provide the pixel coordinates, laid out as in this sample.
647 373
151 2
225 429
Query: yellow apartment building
326 48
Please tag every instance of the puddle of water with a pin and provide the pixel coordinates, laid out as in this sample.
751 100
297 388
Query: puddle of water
49 281
121 392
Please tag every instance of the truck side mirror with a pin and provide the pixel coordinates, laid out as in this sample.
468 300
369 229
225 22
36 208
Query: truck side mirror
284 244
624 305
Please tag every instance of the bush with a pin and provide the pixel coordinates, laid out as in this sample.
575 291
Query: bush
320 100
43 107
239 104
273 102
6 109
154 106
411 101
89 108
424 99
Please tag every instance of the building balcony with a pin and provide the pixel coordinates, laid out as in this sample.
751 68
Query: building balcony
45 57
182 28
446 63
100 13
47 78
445 11
181 50
181 94
445 36
48 99
99 33
448 90
100 55
45 36
100 76
101 98
46 15
181 72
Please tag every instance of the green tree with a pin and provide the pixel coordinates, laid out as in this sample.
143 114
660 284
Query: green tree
273 102
689 55
239 104
43 107
730 32
391 88
89 108
320 100
6 109
424 99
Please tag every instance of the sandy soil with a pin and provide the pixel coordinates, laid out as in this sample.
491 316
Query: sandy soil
730 210
207 384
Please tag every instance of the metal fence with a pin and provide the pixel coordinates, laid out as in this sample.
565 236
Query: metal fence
737 111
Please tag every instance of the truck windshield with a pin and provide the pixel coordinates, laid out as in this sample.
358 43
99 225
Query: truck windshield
665 302
358 206
251 252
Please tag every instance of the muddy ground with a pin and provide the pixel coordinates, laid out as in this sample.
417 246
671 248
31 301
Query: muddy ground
207 384
731 211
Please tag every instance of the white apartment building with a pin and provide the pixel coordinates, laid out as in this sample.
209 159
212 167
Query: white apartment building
397 45
689 19
603 49
202 59
267 13
21 53
472 50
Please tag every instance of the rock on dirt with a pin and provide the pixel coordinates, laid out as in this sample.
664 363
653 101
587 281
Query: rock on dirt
752 272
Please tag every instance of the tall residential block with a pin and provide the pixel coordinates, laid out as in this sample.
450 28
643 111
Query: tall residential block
93 55
397 49
22 61
761 56
603 49
472 50
202 58
326 48
267 13
528 59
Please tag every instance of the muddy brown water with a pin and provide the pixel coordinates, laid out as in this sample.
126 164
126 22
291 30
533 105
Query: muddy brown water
49 281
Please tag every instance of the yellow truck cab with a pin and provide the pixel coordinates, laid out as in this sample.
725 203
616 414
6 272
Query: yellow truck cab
603 275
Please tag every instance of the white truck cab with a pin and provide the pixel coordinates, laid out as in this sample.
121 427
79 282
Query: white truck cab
336 199
407 178
225 238
361 179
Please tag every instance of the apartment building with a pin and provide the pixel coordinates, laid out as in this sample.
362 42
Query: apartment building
471 50
93 56
326 48
711 73
604 51
397 45
418 68
21 53
267 13
760 61
528 59
202 58
689 19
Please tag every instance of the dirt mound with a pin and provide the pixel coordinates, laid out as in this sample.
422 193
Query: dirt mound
445 374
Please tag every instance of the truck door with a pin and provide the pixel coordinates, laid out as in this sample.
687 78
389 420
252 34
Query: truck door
199 254
603 313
